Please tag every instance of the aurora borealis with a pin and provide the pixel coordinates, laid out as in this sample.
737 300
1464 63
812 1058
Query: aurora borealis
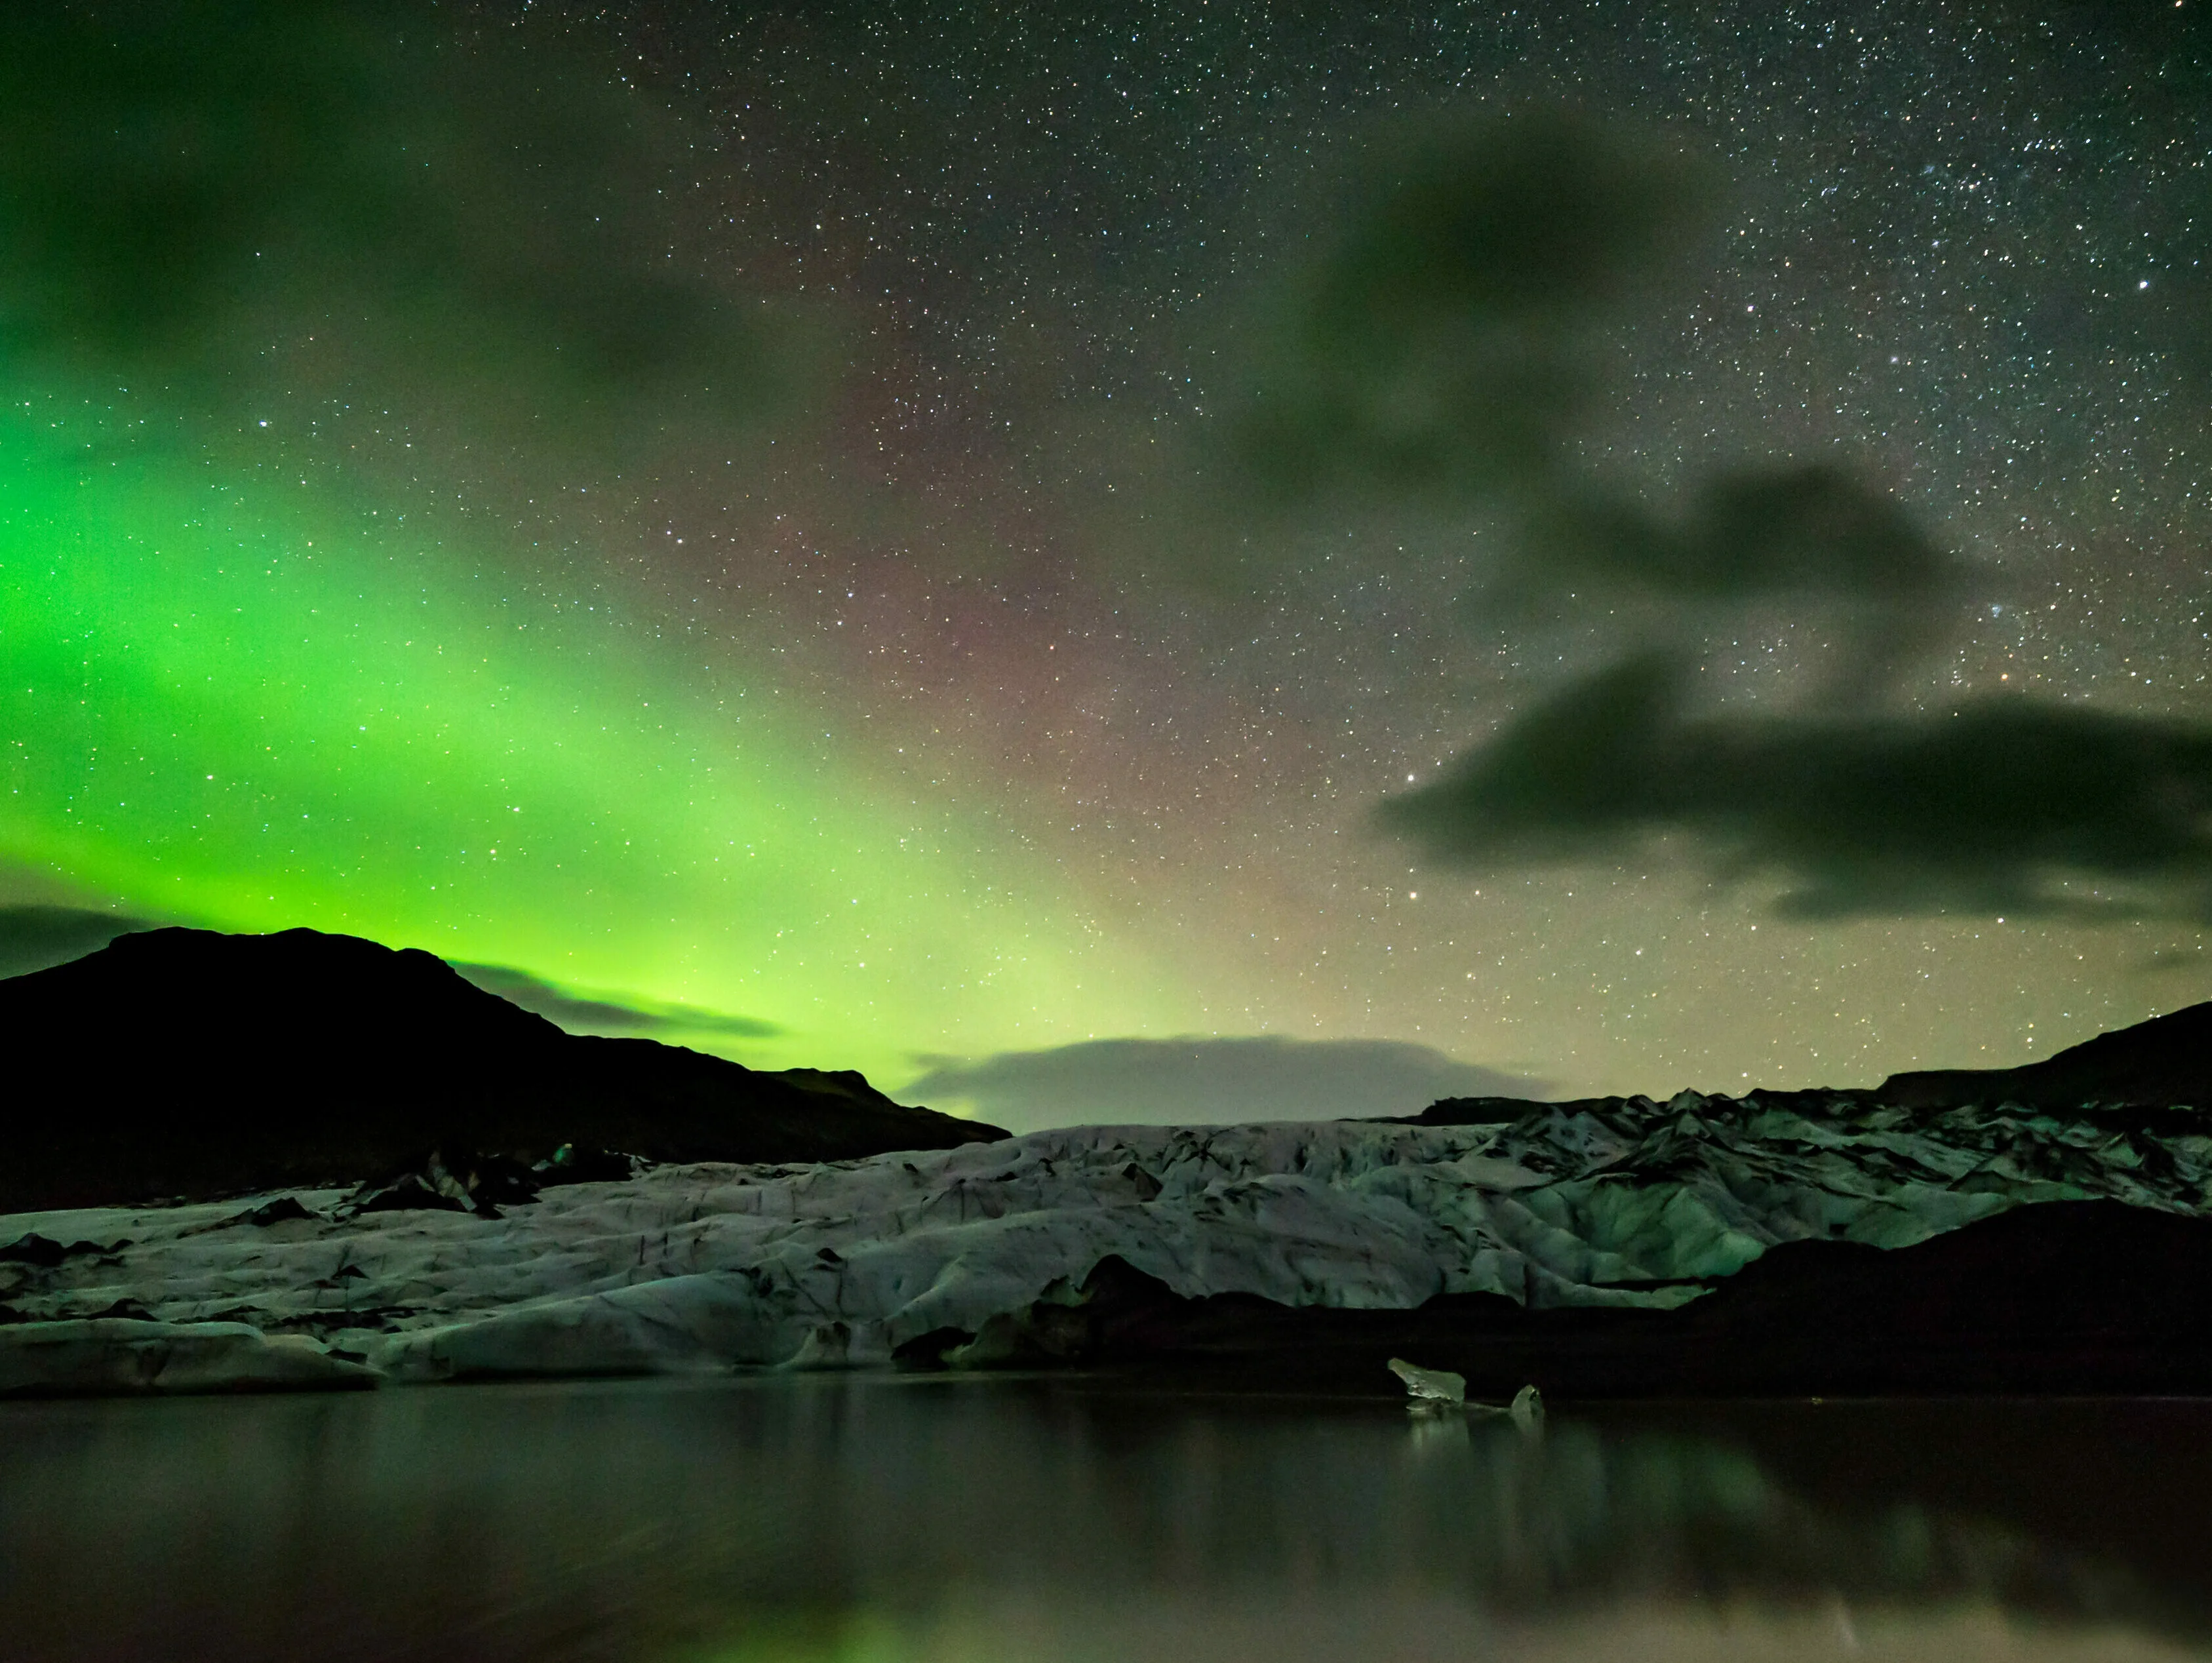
257 716
825 603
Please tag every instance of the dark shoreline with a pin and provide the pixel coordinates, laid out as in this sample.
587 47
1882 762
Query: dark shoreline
2053 1299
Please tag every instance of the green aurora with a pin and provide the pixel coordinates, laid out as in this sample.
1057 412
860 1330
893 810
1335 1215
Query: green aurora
232 708
747 530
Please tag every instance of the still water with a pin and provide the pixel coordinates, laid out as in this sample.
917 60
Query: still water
928 1520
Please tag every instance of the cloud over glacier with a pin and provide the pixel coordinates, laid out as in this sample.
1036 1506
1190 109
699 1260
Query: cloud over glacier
1197 1080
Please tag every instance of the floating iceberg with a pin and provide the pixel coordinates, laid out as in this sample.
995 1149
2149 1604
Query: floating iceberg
1429 1384
1439 1390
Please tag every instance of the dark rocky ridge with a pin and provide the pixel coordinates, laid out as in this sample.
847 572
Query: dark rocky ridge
2162 1064
2156 1064
189 1063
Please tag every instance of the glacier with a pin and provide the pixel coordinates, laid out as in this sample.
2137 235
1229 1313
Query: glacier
700 1267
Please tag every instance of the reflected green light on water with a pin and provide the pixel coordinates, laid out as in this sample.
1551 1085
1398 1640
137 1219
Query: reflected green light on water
1656 1635
827 1637
883 1519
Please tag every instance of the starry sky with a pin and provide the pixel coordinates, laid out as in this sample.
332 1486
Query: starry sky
774 526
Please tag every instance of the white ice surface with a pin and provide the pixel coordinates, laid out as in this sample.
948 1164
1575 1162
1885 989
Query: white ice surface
708 1266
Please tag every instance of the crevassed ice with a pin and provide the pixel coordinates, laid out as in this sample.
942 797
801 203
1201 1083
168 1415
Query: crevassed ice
710 1265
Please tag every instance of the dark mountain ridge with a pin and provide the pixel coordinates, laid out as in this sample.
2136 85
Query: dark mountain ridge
2157 1064
2154 1066
189 1063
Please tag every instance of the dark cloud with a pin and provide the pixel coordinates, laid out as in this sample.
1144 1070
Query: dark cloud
1808 537
1437 354
182 185
1444 351
1442 346
606 1015
37 938
1184 1081
2004 804
2174 958
1807 529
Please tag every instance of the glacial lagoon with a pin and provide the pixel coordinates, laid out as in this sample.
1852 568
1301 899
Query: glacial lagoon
877 1518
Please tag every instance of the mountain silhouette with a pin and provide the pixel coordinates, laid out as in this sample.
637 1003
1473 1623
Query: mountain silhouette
187 1063
2156 1064
2162 1064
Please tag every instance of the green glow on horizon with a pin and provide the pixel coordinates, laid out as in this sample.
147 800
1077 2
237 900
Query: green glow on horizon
253 713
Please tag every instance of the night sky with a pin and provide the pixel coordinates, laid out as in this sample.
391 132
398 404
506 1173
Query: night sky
775 527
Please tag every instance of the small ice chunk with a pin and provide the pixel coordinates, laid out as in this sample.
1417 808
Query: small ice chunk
1527 1409
827 1345
1431 1385
1434 1389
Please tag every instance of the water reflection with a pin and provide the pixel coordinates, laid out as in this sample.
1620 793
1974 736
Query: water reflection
896 1520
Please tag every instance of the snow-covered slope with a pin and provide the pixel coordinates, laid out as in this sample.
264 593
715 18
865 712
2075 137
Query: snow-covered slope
707 1266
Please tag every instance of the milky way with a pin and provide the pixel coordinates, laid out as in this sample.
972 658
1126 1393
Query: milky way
911 679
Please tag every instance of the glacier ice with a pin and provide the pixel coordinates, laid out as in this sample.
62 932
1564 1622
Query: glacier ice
700 1267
